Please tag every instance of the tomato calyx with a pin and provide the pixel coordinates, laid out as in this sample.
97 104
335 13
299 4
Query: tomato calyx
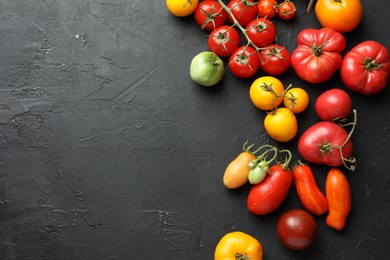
240 256
371 65
210 16
223 38
243 58
317 50
188 2
260 165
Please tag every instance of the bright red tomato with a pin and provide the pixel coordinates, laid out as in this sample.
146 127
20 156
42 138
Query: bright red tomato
267 8
243 10
269 194
244 62
366 68
210 15
318 54
333 104
286 10
275 59
224 40
261 31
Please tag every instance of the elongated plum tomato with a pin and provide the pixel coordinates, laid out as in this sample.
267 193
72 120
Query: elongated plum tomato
206 69
181 8
333 104
236 173
281 124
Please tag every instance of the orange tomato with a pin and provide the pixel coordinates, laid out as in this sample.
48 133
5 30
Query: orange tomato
181 8
341 15
281 124
266 92
236 173
296 99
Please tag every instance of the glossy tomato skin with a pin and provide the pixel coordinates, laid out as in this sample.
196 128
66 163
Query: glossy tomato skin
267 8
366 68
296 229
296 100
224 40
275 59
261 31
286 10
318 55
333 104
244 62
268 195
210 15
181 8
281 124
266 92
243 10
317 144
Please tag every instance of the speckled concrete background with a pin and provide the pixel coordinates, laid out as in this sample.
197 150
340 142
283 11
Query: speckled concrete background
109 151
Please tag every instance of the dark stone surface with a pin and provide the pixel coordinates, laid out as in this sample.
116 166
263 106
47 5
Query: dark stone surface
108 150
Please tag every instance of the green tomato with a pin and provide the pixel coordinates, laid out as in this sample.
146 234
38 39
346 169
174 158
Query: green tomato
206 69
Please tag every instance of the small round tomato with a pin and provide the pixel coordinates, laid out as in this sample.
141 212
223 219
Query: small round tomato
210 15
281 124
296 229
333 104
296 99
286 10
261 31
275 59
181 8
206 69
267 8
244 62
224 40
266 92
243 10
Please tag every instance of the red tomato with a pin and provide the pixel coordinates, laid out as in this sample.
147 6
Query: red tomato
321 143
366 68
296 229
333 104
243 10
261 31
269 194
267 8
286 10
244 62
224 40
318 54
275 59
210 15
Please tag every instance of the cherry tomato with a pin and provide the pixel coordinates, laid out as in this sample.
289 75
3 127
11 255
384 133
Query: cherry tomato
261 31
243 10
266 92
224 40
275 59
333 104
296 229
267 8
281 124
286 10
210 15
244 62
296 99
181 8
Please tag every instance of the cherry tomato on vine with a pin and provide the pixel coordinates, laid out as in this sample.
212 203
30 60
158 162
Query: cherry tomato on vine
286 10
266 92
224 40
210 15
244 62
275 59
296 99
261 31
181 8
333 104
267 8
243 10
281 124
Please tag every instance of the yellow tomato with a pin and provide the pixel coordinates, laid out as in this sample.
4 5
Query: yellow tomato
182 8
238 245
266 93
281 124
296 99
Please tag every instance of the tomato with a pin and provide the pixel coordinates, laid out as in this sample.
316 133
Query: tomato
181 8
339 197
296 229
261 32
238 245
366 68
275 59
210 15
206 69
224 40
310 195
267 8
296 99
333 104
318 54
244 62
243 10
281 124
286 10
340 15
268 195
266 92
